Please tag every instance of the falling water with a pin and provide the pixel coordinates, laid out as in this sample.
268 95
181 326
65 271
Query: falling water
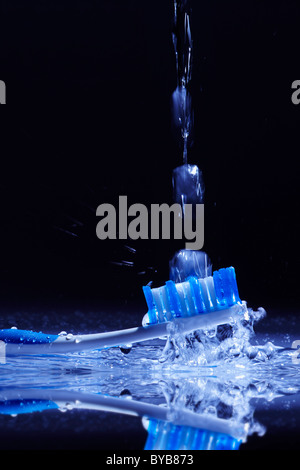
181 98
187 179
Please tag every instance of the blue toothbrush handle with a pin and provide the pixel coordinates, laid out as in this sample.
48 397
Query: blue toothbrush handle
15 336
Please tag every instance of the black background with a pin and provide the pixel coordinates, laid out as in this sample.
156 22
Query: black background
88 119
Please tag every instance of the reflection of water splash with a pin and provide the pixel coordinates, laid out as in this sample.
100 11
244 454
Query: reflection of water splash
199 407
210 398
208 405
227 393
203 398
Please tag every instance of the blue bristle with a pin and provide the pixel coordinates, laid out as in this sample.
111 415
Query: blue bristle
173 298
197 295
226 287
235 292
224 272
226 292
220 294
150 303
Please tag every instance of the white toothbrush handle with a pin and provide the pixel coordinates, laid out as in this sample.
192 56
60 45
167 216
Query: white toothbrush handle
71 343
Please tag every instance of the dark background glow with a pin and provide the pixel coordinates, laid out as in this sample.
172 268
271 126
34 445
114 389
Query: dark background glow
88 119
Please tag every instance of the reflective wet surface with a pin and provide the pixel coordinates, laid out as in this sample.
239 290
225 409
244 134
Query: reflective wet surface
221 393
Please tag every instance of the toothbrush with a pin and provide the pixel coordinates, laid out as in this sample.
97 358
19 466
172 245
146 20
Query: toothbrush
183 307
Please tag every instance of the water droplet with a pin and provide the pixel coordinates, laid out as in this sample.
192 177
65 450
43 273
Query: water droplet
126 394
211 410
145 423
126 348
211 333
69 336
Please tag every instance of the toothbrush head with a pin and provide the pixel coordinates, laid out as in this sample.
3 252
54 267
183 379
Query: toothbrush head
193 297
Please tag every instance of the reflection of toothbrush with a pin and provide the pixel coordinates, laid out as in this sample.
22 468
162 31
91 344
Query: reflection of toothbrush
183 307
14 402
163 435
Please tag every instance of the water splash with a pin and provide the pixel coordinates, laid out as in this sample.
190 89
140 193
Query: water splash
222 344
